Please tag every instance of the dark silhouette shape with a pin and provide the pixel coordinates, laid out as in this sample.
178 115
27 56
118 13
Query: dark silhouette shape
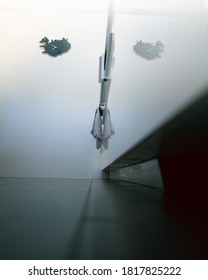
55 47
148 50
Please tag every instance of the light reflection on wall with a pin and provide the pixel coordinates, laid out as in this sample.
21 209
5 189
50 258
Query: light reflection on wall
46 103
193 6
61 5
146 93
163 5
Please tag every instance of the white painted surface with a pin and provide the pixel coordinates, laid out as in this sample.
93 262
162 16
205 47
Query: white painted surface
47 104
144 93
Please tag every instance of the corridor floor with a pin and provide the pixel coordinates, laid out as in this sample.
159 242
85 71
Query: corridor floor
86 219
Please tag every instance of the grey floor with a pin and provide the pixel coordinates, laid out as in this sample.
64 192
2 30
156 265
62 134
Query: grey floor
86 219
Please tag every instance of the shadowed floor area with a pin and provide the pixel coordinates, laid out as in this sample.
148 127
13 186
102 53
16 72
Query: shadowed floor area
87 219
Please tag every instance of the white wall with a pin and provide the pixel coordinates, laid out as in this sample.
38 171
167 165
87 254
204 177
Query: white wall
47 104
144 93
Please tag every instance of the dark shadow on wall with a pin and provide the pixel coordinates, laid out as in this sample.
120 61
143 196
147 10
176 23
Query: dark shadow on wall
148 50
